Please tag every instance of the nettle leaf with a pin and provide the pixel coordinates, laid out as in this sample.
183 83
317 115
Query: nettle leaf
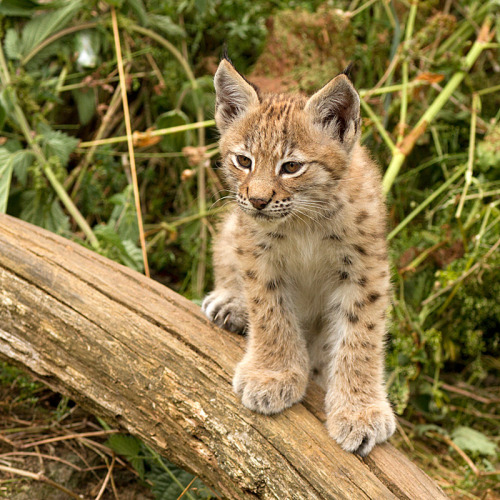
5 177
44 211
130 448
85 104
140 11
56 143
21 161
174 142
166 25
7 100
473 441
123 251
124 216
12 44
44 25
3 116
19 8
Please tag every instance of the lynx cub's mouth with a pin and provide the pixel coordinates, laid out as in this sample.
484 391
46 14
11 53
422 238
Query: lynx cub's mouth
301 261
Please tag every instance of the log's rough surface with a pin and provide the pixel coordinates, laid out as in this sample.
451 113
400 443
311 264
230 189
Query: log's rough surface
144 358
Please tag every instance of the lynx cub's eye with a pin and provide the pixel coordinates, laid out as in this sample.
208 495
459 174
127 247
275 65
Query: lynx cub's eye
244 161
291 167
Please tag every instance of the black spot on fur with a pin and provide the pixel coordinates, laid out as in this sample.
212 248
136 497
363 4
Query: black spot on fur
264 246
276 236
251 274
334 237
373 297
353 318
363 281
343 275
240 251
362 216
370 326
359 249
273 284
347 260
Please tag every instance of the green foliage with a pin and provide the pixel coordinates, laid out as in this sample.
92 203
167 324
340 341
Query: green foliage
168 480
473 441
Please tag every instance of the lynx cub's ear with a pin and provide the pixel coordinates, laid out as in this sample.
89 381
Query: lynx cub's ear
234 95
335 108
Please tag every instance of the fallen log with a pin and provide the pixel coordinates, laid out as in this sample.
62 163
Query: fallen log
146 360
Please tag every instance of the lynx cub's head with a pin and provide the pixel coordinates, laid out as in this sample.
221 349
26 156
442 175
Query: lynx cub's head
285 155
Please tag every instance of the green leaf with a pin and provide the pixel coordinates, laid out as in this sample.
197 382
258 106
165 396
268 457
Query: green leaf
124 217
5 177
56 143
21 161
473 441
12 44
166 25
44 211
85 103
174 142
3 116
44 25
20 8
130 448
113 247
7 100
140 11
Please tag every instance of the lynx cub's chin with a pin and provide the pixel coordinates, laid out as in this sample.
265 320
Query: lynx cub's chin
301 261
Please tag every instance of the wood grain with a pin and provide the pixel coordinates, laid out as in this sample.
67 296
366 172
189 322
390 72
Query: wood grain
144 358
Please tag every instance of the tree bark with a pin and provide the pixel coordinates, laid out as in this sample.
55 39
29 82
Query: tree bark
145 359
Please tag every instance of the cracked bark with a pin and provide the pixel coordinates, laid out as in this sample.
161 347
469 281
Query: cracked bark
145 359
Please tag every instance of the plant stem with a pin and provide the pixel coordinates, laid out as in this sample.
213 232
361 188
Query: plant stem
426 202
472 147
404 148
153 133
49 173
375 119
404 93
128 127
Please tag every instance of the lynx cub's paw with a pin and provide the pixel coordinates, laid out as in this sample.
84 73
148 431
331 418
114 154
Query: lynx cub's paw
225 311
357 431
267 391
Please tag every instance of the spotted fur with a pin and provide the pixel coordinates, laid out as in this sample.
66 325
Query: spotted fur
301 261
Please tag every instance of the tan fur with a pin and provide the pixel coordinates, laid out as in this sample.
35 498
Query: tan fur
306 276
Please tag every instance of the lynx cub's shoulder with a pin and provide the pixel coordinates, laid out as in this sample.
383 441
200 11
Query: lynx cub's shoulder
301 261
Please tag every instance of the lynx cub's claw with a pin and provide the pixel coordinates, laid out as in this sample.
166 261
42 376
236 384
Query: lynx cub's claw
226 311
266 391
358 431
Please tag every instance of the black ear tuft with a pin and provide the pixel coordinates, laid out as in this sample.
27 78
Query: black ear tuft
347 70
225 55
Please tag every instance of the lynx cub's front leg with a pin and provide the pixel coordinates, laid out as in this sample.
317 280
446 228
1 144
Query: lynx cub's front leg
273 373
358 412
225 306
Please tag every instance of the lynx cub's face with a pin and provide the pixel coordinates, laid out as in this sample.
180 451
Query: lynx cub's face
278 154
300 263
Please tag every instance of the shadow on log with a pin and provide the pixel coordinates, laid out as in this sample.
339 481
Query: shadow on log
144 358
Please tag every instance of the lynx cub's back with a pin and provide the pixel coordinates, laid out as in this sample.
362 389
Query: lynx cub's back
301 261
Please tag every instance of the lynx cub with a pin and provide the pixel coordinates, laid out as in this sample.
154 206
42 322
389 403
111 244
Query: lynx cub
301 261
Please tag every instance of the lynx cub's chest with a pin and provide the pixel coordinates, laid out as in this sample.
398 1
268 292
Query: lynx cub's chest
300 263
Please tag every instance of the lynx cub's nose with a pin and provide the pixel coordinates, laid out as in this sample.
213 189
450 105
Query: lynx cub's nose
259 203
